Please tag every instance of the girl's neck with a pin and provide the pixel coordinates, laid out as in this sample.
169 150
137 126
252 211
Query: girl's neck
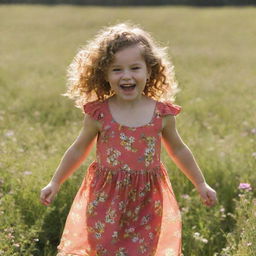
128 103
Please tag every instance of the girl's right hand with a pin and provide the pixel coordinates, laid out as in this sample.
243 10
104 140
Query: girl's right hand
48 193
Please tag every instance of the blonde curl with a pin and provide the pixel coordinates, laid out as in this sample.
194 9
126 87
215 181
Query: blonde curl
86 73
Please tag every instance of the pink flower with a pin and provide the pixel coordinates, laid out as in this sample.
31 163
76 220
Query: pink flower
27 173
245 186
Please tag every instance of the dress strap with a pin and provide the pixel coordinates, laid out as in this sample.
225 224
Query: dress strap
168 108
94 109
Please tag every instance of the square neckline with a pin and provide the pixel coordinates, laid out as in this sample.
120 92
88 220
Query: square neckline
132 127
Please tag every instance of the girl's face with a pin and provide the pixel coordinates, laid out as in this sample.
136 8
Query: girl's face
128 73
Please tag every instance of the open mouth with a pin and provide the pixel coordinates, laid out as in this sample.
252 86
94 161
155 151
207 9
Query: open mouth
127 87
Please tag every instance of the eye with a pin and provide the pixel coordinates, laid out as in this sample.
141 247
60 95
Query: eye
116 69
135 68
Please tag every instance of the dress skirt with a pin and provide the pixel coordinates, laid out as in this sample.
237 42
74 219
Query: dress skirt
123 213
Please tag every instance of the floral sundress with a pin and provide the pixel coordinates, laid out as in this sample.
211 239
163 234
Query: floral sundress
125 205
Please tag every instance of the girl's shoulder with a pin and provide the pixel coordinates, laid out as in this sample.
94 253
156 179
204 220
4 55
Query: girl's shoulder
167 108
95 109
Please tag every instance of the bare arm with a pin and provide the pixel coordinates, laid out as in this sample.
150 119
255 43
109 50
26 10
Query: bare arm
179 152
72 159
184 159
77 152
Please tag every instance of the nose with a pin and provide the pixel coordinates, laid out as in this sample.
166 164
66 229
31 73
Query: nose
126 75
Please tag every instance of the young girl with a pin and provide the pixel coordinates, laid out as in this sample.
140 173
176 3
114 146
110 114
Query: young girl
125 205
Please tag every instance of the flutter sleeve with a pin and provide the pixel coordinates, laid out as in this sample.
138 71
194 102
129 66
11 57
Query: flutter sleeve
94 110
167 108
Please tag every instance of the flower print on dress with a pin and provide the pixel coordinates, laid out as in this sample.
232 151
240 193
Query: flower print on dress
129 232
122 205
149 151
126 168
158 208
126 181
151 235
107 133
110 216
115 237
76 218
132 235
145 219
100 197
130 216
127 142
145 189
98 229
169 252
121 252
132 195
143 247
101 250
112 156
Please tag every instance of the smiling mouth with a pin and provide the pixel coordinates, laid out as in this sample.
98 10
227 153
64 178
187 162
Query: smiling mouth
128 87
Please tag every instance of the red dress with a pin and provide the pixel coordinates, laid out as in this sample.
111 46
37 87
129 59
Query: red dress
125 205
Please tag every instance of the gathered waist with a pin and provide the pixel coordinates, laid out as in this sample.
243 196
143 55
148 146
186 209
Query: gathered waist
125 169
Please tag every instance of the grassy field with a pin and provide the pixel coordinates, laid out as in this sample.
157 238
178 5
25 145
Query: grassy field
213 50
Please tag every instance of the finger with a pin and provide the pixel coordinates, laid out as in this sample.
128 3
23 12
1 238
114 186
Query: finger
44 198
213 199
44 194
50 197
44 202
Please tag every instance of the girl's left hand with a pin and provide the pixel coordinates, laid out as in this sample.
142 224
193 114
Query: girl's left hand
208 195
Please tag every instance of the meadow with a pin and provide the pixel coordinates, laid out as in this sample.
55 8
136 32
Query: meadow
213 50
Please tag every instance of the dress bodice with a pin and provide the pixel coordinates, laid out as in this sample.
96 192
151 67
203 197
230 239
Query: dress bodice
128 148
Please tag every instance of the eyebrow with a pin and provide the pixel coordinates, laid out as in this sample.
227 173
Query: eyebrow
118 65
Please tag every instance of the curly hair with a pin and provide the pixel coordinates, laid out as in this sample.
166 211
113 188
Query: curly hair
86 73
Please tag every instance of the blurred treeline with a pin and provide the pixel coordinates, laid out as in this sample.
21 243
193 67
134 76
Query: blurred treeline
137 2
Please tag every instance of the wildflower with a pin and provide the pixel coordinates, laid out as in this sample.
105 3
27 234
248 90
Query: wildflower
245 186
204 240
254 154
10 236
222 209
185 196
196 234
253 130
27 173
249 244
9 133
185 209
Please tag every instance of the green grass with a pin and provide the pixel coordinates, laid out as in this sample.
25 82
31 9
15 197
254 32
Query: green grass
213 50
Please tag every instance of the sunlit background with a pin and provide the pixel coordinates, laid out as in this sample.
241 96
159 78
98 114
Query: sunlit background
213 51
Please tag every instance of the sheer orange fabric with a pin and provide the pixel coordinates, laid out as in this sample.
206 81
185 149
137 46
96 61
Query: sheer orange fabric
125 205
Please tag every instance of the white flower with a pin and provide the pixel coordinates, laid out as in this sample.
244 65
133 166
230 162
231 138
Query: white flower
204 240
